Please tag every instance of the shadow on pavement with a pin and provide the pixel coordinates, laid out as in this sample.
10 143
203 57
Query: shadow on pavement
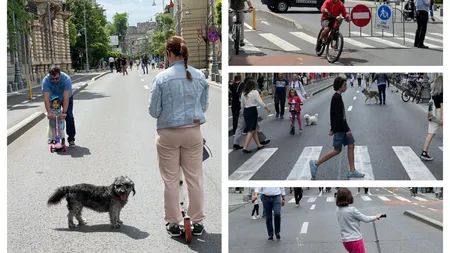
21 107
130 231
86 95
350 61
76 152
206 243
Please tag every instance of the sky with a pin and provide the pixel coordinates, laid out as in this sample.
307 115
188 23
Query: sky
138 10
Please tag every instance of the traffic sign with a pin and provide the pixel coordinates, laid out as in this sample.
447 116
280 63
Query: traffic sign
361 15
384 17
213 36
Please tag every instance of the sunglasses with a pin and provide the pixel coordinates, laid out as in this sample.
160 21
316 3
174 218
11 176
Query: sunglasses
55 78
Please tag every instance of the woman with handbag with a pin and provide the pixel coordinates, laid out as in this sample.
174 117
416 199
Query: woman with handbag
435 117
179 98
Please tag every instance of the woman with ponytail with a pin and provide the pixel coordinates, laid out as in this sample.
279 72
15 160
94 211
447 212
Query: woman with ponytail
179 98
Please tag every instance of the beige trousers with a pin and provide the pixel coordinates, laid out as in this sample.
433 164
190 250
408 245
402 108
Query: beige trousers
181 147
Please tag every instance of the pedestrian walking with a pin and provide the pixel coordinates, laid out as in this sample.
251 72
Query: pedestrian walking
422 8
179 141
124 65
280 90
131 64
273 198
341 131
359 77
298 194
295 108
382 80
58 83
349 218
296 84
261 82
255 202
249 100
435 117
145 63
111 63
153 63
235 89
432 10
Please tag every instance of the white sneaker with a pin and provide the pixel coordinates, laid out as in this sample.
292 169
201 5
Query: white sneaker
297 205
254 217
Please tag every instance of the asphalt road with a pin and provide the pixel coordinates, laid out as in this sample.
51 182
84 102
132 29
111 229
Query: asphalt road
115 136
276 43
313 227
388 140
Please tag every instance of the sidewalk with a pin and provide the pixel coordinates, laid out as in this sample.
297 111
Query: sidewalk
236 200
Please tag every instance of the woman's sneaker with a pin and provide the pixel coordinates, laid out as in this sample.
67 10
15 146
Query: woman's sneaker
173 229
198 228
425 156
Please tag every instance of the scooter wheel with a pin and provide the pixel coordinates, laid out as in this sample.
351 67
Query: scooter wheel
187 230
64 148
51 149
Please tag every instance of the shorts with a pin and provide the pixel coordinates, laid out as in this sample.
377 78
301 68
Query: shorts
340 139
328 22
355 246
434 126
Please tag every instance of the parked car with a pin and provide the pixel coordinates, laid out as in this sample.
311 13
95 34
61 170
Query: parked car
284 5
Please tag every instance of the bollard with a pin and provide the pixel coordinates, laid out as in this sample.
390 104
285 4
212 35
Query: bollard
254 20
393 190
441 11
30 90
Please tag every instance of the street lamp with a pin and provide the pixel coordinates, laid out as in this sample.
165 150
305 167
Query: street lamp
85 41
85 36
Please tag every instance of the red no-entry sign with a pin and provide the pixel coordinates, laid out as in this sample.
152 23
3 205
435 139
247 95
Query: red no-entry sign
361 15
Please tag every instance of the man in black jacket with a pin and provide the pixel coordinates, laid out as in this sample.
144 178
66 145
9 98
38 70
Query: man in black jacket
235 89
341 131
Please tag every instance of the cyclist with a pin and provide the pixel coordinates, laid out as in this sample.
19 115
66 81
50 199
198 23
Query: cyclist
239 5
335 8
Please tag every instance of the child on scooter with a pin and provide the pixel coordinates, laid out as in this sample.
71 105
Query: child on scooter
349 218
52 130
294 107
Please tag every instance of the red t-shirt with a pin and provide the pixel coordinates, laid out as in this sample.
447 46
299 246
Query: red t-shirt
334 9
297 101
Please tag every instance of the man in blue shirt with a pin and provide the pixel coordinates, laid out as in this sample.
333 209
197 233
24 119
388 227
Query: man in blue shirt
59 83
422 7
280 92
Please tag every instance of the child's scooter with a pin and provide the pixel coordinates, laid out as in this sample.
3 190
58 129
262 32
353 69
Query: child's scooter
187 227
57 146
376 235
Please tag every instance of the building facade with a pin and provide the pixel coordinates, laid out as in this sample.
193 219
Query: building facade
136 34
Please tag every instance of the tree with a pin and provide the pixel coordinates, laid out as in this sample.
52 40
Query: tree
219 13
120 22
22 17
110 29
163 30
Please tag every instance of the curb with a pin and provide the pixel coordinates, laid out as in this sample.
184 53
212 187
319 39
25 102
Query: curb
214 84
18 93
100 76
286 21
432 222
232 208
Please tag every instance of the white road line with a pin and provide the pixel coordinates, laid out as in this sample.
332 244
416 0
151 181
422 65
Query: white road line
142 80
370 194
432 209
412 164
354 98
357 43
382 41
39 95
311 199
320 193
362 163
420 199
26 101
409 40
402 199
304 228
438 34
279 42
146 87
248 26
423 206
384 198
229 151
427 38
350 108
301 171
415 204
330 199
312 207
292 200
366 198
265 22
305 37
441 148
250 48
270 115
252 165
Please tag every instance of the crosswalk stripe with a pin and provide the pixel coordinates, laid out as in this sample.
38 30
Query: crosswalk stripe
330 199
250 48
431 209
402 199
415 168
409 40
252 165
441 148
248 26
362 163
304 228
292 200
438 34
427 38
320 193
279 42
384 198
366 198
305 37
311 199
357 43
382 41
312 207
301 167
229 151
420 199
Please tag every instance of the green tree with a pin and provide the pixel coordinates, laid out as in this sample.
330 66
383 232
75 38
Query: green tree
120 22
110 29
22 17
219 13
163 30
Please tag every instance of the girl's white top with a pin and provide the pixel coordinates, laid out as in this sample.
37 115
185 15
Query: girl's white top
298 87
256 202
349 218
252 99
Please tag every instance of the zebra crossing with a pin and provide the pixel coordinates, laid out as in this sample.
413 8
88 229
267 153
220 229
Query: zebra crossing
291 42
409 160
383 198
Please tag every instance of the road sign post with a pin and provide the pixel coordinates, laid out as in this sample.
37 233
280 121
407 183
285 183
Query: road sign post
361 15
384 17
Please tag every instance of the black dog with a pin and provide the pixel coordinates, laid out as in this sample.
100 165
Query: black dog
98 198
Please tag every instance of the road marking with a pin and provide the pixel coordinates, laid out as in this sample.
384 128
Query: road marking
330 199
366 198
432 209
415 168
305 37
301 170
146 87
382 41
354 98
270 115
350 108
362 163
304 228
250 48
420 199
423 206
312 207
265 22
438 34
428 38
142 80
402 199
248 26
384 198
441 148
312 199
409 40
279 42
357 43
415 204
370 194
229 151
292 200
320 193
252 165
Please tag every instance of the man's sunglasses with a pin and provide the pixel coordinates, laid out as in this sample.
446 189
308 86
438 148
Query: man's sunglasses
55 78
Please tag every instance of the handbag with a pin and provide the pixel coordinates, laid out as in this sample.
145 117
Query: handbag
206 151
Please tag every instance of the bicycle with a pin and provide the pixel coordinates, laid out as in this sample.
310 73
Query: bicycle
333 36
413 90
236 29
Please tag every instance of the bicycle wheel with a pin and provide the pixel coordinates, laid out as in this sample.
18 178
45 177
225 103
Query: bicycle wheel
418 97
339 46
237 41
406 95
319 42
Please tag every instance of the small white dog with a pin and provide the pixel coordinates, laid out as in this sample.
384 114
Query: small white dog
311 120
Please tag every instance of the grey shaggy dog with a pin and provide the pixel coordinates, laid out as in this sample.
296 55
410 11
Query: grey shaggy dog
98 198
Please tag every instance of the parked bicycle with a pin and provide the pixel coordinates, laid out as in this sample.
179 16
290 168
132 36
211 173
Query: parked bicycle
334 40
413 90
237 28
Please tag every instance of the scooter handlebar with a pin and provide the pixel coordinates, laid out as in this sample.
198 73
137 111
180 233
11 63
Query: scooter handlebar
383 216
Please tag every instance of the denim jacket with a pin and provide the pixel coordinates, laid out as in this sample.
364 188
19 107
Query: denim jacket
175 101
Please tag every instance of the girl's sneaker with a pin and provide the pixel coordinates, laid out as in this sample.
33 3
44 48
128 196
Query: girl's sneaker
173 229
292 130
254 217
198 228
425 156
300 131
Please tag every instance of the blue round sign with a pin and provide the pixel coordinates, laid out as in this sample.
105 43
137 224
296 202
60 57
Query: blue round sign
384 12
